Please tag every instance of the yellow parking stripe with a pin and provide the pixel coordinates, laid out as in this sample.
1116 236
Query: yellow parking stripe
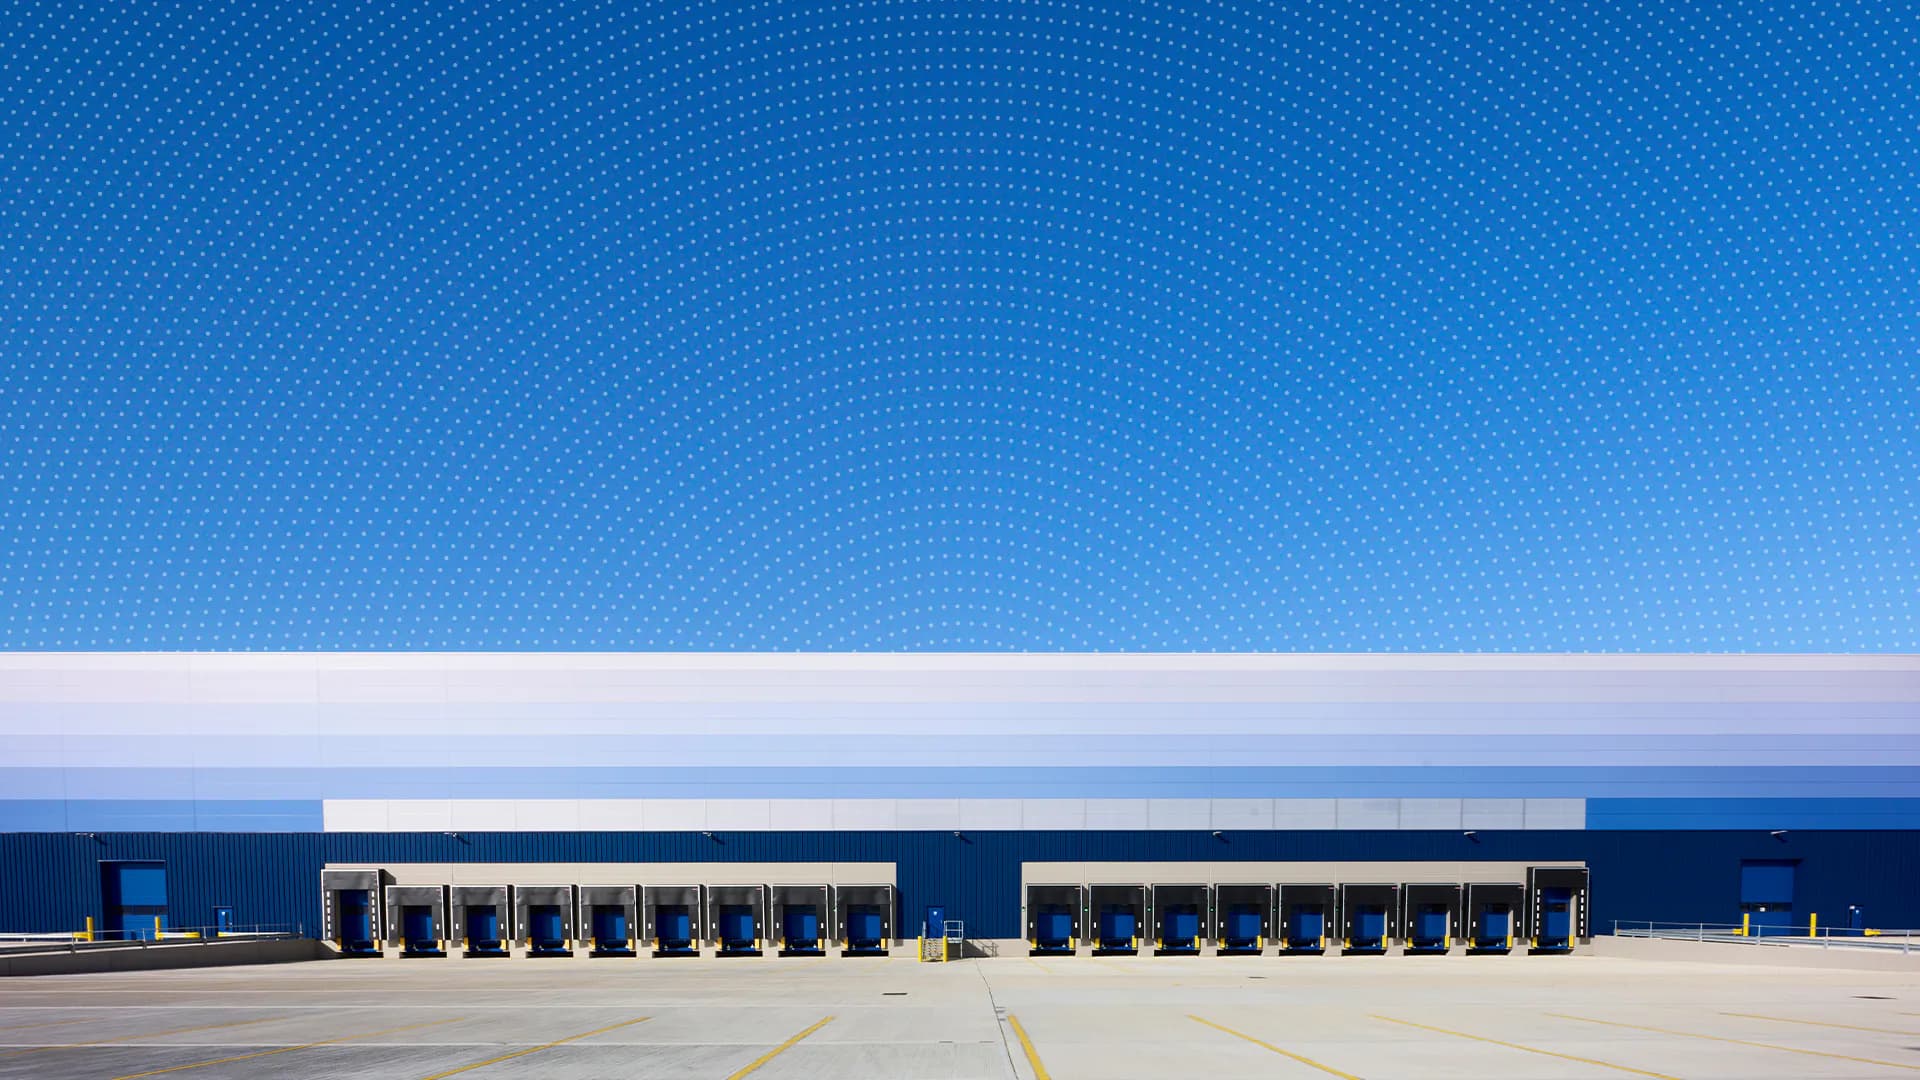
534 1049
1822 1023
1328 1069
148 1035
1026 1044
1530 1049
755 1064
284 1049
1740 1042
46 1023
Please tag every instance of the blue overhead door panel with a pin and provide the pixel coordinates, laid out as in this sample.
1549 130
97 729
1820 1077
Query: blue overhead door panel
1766 881
1766 895
134 895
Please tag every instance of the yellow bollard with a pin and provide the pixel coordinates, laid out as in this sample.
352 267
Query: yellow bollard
1813 924
1746 923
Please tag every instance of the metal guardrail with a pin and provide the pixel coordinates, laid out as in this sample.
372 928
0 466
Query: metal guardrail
1820 937
90 939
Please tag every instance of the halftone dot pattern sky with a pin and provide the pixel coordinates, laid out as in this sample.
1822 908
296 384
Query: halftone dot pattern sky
960 325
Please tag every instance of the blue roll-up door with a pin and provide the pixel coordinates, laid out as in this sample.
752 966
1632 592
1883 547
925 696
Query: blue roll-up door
1766 881
134 894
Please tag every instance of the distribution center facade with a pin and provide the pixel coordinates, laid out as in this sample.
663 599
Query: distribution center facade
1691 787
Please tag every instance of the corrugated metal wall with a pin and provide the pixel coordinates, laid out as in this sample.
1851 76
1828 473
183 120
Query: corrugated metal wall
52 880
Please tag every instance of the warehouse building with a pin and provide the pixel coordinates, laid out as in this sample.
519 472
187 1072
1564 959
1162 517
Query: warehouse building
799 804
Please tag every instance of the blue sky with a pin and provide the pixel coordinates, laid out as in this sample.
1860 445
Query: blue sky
1035 326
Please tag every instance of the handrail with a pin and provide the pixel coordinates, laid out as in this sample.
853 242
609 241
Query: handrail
1825 937
92 938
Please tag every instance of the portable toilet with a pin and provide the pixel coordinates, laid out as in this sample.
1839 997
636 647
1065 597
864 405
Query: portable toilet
1367 915
1118 918
1307 915
1492 915
1179 915
417 919
1053 919
481 918
864 918
672 915
546 916
1429 917
738 917
1242 916
350 909
802 914
1557 908
609 913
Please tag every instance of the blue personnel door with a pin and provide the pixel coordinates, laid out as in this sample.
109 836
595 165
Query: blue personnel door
937 921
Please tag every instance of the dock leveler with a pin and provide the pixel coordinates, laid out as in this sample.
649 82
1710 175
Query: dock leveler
737 918
1119 912
1367 918
863 919
801 915
1242 918
1306 916
1181 916
546 918
481 919
1429 917
350 909
417 919
672 915
1492 915
1054 914
609 914
1557 908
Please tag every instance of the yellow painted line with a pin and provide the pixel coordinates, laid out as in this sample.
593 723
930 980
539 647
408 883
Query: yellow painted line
147 1035
1741 1042
47 1023
1820 1023
754 1065
535 1049
284 1049
1530 1049
1026 1044
1038 964
1307 1061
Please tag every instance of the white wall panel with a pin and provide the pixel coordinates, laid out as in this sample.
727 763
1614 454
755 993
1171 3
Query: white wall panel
1494 813
1115 814
1367 814
1306 813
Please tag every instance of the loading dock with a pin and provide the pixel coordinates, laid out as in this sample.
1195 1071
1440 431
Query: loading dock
801 915
1180 916
350 909
1119 912
1367 918
417 919
1307 915
1492 915
863 918
737 916
1429 917
672 914
1054 914
545 916
1243 919
481 918
609 913
1557 908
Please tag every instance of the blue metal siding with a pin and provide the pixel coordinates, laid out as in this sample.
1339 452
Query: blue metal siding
274 878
